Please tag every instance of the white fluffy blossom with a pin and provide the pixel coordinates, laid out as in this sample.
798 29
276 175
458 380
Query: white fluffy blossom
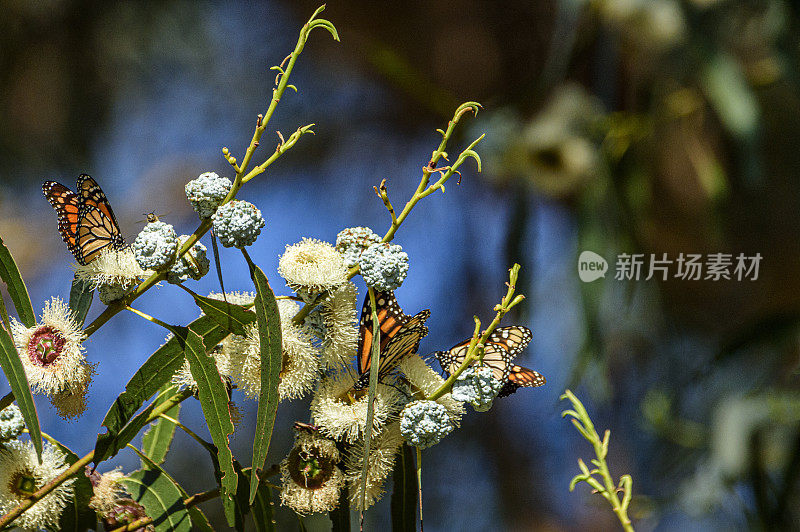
52 352
311 266
341 413
300 368
310 477
382 454
341 327
21 474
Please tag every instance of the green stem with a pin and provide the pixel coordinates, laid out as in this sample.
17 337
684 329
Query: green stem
419 485
241 175
150 318
475 349
187 430
374 370
422 191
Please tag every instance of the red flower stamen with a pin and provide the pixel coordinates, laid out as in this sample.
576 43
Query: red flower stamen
45 345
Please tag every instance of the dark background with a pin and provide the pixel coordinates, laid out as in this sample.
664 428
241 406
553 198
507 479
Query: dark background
618 126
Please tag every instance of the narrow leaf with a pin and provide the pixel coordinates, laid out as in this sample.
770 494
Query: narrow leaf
373 389
161 499
113 443
157 439
213 395
15 374
199 520
233 318
76 516
80 299
404 495
4 314
16 287
269 330
154 373
261 511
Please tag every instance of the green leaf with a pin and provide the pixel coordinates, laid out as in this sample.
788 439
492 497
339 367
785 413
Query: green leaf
213 395
76 516
404 495
373 389
340 517
113 443
15 374
80 299
199 520
154 373
157 439
16 287
161 499
233 318
4 314
269 330
262 505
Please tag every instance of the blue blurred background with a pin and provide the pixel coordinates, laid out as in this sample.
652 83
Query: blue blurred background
612 125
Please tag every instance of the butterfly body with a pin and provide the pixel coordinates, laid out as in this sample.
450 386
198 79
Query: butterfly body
400 336
85 219
499 351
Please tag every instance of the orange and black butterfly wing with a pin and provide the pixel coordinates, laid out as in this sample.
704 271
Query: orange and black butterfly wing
405 343
97 228
391 321
499 351
68 208
451 359
521 377
93 197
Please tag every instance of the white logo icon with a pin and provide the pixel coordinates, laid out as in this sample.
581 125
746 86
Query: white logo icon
591 266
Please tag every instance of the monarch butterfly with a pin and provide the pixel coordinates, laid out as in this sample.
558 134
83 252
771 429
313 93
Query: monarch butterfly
400 335
85 219
500 349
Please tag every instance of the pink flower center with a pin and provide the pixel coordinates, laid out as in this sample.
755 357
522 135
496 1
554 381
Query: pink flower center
45 345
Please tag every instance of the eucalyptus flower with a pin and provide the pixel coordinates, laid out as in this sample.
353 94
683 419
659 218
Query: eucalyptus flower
384 266
312 266
111 501
341 327
52 352
300 368
192 265
206 192
21 475
382 454
425 423
341 413
11 423
113 273
352 241
155 246
424 379
310 477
